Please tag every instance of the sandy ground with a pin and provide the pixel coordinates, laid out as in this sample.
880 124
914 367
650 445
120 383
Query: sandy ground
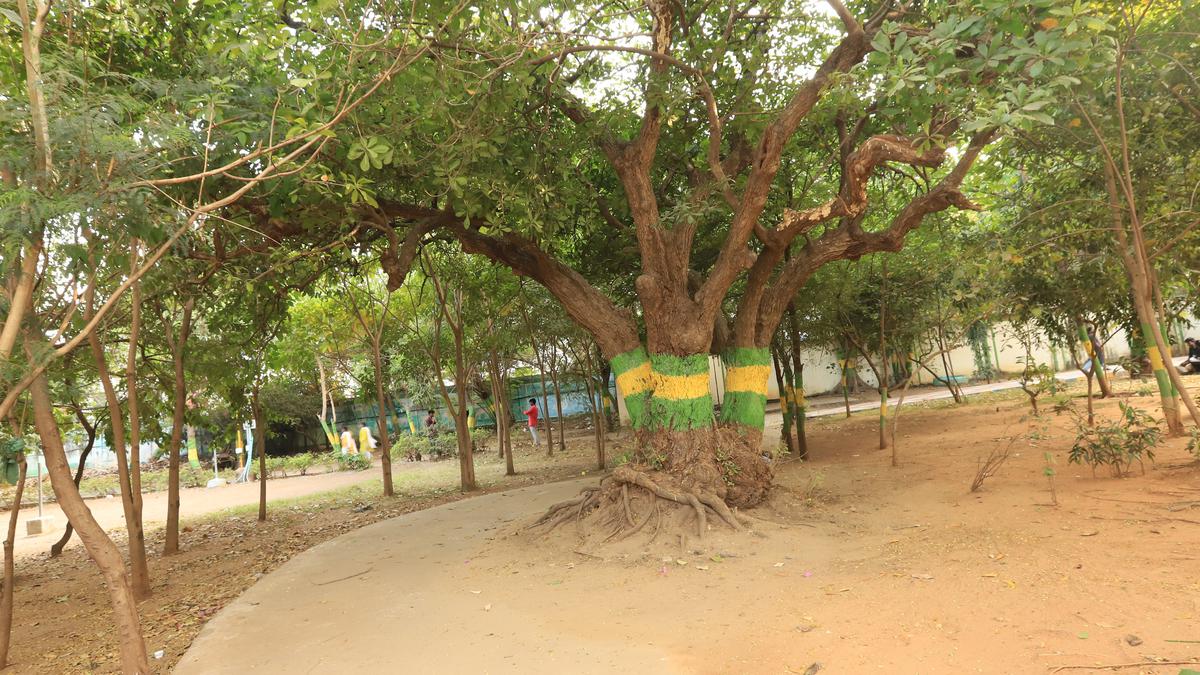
193 502
854 564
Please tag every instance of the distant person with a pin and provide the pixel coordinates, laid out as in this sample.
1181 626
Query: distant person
365 440
532 414
1192 363
348 445
431 424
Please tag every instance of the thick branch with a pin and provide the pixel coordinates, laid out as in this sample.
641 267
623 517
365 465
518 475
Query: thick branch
849 241
613 327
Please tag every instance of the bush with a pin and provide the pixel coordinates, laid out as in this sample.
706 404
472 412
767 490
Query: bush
1117 444
480 438
1193 445
347 462
437 447
301 463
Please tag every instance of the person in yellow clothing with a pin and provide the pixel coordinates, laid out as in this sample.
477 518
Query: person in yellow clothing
365 440
348 445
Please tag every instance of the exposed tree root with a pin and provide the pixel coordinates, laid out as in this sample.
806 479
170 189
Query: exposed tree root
611 507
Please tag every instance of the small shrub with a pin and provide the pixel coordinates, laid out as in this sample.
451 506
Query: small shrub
301 463
1193 445
1037 380
480 439
348 462
1118 443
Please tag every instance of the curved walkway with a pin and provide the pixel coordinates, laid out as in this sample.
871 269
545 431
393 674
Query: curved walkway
382 599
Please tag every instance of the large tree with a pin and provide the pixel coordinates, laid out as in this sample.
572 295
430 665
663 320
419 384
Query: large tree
661 131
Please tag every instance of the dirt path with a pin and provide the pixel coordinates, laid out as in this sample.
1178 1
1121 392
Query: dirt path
192 502
388 598
858 566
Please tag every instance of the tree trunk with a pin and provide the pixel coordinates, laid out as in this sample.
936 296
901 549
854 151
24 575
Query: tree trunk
789 440
57 548
562 423
796 393
384 444
881 373
1144 307
137 555
1096 355
466 455
178 345
542 374
137 535
6 595
670 408
99 546
845 363
260 441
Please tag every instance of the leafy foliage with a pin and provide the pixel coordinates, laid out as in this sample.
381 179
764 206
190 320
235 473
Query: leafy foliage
1118 443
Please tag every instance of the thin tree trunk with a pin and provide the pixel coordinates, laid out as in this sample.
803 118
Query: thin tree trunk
137 559
99 546
260 440
466 455
137 536
1143 306
6 595
22 297
178 345
882 372
384 444
537 353
796 395
57 548
846 377
562 423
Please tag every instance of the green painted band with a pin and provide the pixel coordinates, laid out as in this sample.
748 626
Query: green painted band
745 408
679 414
631 359
747 356
636 406
669 364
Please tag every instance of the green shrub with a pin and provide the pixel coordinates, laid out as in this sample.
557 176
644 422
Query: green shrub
438 447
1118 443
347 462
1193 445
301 463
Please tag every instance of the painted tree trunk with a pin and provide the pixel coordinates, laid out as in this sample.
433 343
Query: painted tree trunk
1097 358
671 412
98 545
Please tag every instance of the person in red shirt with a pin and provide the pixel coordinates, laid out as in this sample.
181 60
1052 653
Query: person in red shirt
532 414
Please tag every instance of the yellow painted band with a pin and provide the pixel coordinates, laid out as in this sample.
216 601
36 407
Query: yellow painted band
1156 361
748 378
635 380
1087 347
796 394
679 387
883 408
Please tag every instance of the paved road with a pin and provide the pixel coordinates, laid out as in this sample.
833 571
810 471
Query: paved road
387 598
192 502
932 395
